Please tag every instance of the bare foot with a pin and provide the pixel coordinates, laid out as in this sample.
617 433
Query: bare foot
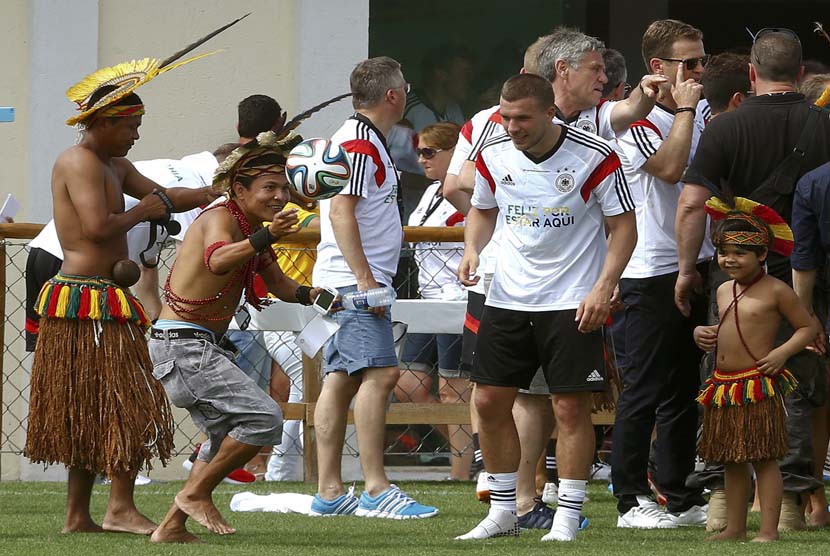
81 526
173 535
756 506
728 535
204 513
765 538
819 518
129 521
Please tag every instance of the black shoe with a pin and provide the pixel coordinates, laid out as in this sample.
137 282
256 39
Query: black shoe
540 517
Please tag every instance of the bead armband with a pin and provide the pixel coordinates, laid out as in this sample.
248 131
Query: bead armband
261 239
165 199
303 295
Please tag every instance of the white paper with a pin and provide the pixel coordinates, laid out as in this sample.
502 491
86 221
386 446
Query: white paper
10 207
315 334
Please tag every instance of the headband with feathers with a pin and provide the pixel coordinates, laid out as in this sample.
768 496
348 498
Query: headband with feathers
279 140
128 76
763 218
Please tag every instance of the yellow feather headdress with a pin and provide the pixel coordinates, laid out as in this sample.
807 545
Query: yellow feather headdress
128 76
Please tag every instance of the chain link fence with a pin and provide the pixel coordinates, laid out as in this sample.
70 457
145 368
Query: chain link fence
275 362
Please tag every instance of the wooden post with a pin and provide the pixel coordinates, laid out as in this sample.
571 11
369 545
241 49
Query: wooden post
311 391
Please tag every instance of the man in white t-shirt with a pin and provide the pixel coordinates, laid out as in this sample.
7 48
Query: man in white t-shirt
576 55
556 190
360 242
661 377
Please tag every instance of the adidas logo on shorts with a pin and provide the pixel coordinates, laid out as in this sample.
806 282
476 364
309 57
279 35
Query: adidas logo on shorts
507 180
594 377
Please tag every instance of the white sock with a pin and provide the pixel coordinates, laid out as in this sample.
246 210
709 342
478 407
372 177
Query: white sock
502 491
498 523
569 507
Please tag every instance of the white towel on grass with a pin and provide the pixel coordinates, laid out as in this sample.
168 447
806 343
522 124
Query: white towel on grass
282 502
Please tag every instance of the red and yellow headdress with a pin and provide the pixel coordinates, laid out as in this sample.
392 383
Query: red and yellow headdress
127 77
770 230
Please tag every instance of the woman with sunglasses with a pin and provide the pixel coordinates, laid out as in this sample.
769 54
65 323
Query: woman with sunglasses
437 264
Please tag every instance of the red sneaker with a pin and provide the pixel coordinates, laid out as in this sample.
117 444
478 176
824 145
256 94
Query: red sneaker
239 477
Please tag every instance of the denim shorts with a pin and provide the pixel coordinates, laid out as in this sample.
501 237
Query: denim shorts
364 341
421 352
202 378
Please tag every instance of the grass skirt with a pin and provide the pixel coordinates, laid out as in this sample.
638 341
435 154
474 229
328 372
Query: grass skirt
94 403
743 416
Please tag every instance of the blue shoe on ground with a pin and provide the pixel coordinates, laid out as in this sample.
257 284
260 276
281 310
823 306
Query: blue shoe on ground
393 503
345 504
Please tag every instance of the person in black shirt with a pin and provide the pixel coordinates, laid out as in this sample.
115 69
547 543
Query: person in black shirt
739 150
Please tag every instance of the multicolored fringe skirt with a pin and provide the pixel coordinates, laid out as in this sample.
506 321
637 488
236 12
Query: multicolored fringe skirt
94 403
743 416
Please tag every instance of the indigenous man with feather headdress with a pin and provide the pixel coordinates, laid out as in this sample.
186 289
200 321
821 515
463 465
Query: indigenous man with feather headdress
94 405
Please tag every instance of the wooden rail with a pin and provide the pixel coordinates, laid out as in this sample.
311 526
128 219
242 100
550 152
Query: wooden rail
397 413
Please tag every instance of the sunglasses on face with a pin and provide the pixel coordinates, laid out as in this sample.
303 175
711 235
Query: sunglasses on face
427 153
690 63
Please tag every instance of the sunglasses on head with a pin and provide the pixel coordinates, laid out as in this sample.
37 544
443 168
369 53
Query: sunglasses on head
690 63
428 152
767 30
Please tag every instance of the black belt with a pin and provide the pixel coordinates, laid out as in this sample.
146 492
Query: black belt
183 334
194 334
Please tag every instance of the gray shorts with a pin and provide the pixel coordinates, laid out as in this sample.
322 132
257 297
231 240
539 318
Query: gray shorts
202 378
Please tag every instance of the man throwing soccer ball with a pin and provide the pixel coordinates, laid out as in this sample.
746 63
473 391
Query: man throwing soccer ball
223 250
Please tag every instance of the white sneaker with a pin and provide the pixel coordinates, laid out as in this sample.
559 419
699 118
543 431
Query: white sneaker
141 480
601 472
550 494
693 517
647 515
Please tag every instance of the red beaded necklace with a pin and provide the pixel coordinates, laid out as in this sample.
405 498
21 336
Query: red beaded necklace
245 273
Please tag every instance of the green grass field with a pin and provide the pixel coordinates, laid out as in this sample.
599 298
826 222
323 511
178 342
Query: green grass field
31 516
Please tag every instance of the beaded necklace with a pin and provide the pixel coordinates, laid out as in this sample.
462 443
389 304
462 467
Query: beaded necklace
244 273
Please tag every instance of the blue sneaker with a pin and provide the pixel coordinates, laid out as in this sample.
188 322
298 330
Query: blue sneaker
345 504
393 503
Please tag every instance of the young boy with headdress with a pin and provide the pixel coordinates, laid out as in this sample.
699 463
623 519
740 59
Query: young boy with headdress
94 405
743 418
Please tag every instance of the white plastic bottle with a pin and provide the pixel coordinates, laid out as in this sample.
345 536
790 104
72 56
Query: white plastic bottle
376 297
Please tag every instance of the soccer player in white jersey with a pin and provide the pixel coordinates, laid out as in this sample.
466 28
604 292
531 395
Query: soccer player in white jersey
360 242
556 189
530 414
661 377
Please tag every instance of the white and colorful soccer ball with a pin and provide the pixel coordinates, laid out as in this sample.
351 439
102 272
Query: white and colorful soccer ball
318 169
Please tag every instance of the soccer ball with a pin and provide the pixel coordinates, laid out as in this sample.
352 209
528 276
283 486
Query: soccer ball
318 169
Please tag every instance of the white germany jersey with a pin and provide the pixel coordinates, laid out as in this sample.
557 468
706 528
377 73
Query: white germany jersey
375 181
656 200
438 261
553 241
474 133
596 120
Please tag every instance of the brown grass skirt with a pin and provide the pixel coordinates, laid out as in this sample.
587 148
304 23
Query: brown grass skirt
96 407
739 434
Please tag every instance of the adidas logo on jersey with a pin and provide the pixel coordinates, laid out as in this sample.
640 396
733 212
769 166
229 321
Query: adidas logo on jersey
507 180
594 377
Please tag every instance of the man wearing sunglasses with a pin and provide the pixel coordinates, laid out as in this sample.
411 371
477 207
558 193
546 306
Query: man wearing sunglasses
743 148
660 379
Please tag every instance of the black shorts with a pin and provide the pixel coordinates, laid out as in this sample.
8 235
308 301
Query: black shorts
513 344
41 266
472 320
